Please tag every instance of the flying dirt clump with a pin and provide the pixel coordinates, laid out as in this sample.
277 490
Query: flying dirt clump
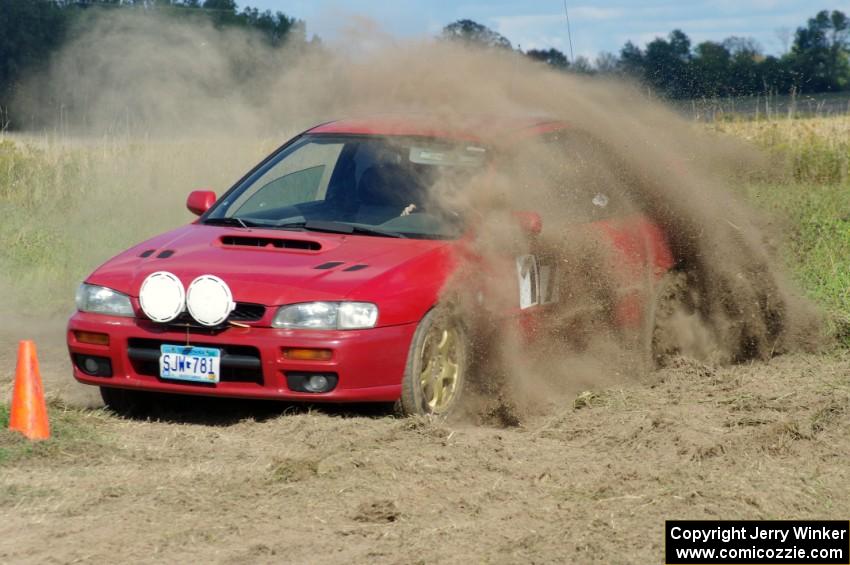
729 297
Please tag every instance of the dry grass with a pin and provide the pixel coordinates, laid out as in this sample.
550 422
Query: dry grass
591 484
70 204
814 150
75 439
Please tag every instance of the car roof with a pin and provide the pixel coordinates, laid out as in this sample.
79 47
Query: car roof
484 129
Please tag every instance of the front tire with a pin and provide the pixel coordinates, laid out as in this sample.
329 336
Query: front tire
437 366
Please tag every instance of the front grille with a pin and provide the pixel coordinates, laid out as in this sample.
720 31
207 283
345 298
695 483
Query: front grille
239 363
244 312
247 312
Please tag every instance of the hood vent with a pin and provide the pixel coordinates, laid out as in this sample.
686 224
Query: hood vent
270 242
165 254
328 265
355 268
147 253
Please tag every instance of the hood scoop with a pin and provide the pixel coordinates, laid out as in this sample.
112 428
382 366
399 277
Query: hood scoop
270 243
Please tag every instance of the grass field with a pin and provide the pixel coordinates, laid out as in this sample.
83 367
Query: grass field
68 205
765 107
74 437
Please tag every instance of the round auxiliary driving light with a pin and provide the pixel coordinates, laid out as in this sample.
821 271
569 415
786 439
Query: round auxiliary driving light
162 297
209 300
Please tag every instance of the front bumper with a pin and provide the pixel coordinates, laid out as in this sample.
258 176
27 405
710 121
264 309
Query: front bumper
369 363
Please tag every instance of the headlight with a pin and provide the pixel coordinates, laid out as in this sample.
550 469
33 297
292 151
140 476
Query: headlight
327 316
102 300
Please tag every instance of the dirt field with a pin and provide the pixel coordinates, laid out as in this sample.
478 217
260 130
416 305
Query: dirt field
592 481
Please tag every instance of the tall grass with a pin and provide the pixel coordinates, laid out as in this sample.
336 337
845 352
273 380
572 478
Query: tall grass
811 150
816 241
809 191
67 205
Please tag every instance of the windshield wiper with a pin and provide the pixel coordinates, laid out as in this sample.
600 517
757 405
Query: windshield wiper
339 227
232 221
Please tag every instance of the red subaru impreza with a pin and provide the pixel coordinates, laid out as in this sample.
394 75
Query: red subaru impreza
316 277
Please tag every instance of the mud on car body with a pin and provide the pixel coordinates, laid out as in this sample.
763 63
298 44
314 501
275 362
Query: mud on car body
318 276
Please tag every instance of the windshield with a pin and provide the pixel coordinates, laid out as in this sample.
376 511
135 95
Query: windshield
355 184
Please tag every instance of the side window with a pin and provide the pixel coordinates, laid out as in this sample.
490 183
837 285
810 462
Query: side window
298 177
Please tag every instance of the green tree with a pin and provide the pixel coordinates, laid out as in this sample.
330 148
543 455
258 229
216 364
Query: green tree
776 75
29 31
819 53
474 34
222 12
582 66
222 5
745 70
710 68
552 57
817 62
607 63
32 30
666 65
632 61
276 28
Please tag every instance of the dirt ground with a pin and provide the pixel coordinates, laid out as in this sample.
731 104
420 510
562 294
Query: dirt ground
591 481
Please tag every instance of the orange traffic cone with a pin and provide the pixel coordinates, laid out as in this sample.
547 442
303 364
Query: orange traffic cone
29 411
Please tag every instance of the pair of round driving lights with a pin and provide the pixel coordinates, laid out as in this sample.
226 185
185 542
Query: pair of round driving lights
208 298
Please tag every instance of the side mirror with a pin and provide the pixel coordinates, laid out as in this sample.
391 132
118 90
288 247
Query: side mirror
200 201
530 222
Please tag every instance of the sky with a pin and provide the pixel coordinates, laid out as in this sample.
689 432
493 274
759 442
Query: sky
603 25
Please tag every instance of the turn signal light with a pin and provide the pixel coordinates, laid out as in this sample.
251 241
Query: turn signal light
304 354
92 338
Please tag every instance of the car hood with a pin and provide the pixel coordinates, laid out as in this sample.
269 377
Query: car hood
274 267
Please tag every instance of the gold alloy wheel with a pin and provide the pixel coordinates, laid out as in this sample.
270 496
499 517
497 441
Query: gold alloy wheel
441 369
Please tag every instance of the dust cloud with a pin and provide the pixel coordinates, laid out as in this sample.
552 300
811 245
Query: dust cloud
623 157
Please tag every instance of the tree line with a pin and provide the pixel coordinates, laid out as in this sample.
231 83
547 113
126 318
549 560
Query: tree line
33 30
817 60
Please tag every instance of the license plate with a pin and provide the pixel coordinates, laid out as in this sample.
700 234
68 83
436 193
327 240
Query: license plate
187 363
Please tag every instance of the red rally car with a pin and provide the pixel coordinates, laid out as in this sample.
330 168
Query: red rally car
316 277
